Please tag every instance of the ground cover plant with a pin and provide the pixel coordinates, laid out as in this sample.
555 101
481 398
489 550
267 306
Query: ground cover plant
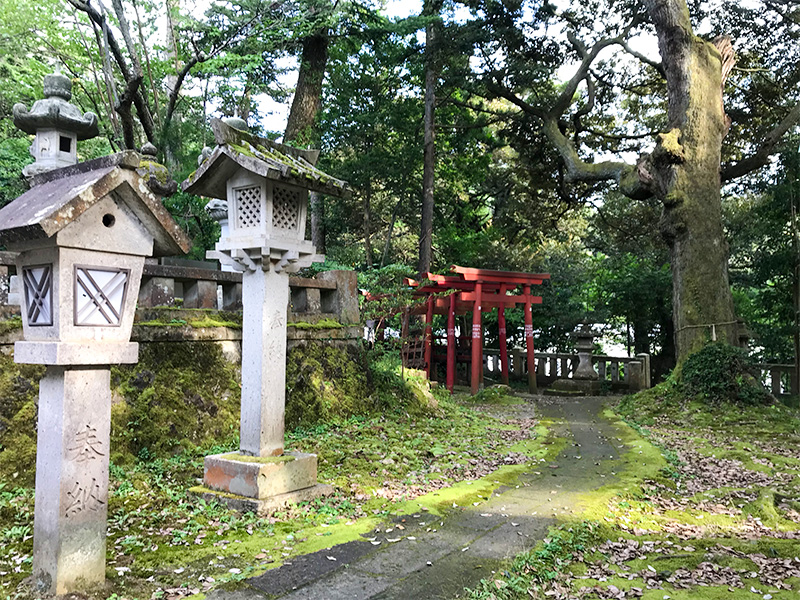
707 505
420 452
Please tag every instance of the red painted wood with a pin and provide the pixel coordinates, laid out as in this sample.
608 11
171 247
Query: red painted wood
477 338
501 325
429 337
529 345
451 343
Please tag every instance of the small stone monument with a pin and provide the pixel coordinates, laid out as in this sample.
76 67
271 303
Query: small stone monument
265 186
585 379
82 233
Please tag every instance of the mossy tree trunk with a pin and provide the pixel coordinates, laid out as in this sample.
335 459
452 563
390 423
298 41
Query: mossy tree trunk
685 172
301 125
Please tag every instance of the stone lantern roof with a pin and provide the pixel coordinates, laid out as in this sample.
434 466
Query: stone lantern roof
237 149
55 111
58 198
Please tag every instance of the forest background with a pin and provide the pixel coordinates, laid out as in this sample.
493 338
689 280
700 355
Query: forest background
485 133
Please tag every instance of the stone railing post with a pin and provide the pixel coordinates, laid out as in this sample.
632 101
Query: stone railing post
344 300
517 362
635 375
645 360
157 291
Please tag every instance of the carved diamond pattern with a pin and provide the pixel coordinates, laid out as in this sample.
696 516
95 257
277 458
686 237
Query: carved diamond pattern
38 282
248 207
285 208
99 295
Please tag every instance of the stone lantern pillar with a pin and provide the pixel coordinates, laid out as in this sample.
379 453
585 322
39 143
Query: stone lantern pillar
265 186
81 233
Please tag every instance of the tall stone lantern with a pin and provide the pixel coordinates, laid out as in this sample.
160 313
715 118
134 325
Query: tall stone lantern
82 233
265 186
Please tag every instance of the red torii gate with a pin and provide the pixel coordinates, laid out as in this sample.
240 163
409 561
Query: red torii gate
478 290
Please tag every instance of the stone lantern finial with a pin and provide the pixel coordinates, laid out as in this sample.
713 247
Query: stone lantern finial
57 125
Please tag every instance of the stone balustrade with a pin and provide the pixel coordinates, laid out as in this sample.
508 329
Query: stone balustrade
621 372
178 293
779 379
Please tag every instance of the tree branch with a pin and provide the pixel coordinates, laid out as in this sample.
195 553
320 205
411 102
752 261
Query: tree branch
761 156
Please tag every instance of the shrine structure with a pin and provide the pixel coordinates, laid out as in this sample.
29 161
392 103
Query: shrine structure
478 291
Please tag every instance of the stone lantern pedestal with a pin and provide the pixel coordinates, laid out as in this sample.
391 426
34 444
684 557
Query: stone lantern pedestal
262 188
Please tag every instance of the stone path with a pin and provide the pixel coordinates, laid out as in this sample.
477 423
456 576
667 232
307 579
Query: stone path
468 545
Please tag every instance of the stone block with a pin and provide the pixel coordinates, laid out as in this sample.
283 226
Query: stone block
76 353
231 296
578 387
260 477
157 291
344 300
200 294
635 375
69 540
264 506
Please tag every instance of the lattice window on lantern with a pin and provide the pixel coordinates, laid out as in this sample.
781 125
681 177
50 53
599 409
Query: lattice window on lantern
100 295
285 208
247 201
38 285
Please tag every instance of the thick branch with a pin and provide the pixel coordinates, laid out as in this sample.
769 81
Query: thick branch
642 58
626 176
173 95
761 156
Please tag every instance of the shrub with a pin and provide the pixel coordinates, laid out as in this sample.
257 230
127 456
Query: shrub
721 373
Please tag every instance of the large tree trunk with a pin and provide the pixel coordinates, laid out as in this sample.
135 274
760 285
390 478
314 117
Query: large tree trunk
306 104
432 8
686 178
307 100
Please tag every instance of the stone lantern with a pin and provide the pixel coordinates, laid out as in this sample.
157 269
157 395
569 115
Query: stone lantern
585 379
82 233
57 125
265 186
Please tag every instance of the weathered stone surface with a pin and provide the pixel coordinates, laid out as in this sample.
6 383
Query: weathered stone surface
71 478
260 477
200 294
267 505
265 299
345 301
157 291
76 353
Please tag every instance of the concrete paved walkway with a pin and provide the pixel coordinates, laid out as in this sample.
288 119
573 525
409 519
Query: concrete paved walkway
469 543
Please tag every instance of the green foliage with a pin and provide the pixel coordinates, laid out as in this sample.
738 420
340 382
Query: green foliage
178 397
326 382
722 373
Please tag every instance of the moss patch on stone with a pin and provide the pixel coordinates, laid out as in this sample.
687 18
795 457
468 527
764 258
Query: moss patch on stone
177 398
19 393
321 324
10 324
